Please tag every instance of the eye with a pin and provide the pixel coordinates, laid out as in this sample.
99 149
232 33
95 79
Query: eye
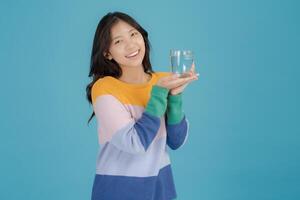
134 33
118 41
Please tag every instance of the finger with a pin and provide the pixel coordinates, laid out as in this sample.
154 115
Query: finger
179 89
179 82
176 81
192 77
164 80
171 76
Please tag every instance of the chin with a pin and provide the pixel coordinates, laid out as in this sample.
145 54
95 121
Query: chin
135 64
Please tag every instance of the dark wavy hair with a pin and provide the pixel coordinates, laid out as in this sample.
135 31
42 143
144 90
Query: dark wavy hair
100 66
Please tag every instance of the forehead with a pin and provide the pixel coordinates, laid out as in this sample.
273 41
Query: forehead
120 28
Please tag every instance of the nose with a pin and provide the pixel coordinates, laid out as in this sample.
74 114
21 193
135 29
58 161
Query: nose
130 46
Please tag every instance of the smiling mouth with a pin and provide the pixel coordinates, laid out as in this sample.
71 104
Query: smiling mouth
133 54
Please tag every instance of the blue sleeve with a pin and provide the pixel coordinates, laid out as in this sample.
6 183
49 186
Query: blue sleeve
176 122
177 134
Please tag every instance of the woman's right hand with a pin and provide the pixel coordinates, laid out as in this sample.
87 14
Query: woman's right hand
173 81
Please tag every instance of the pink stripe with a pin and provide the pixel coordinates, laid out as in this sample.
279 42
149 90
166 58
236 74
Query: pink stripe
112 116
137 111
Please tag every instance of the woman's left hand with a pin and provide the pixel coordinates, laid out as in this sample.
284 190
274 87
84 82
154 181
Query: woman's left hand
189 74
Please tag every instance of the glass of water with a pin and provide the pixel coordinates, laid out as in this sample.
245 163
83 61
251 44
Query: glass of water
181 61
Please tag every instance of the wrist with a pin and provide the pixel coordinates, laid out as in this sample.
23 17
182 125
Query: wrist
174 109
157 104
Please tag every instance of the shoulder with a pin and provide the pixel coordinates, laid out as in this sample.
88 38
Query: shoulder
103 86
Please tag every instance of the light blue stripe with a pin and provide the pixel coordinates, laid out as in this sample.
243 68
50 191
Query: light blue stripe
112 161
127 139
147 127
136 137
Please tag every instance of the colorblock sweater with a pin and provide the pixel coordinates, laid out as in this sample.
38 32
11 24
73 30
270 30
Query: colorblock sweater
135 124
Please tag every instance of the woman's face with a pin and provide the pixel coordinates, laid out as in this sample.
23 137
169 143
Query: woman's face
127 47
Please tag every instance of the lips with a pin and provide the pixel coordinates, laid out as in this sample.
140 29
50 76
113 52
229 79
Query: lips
133 54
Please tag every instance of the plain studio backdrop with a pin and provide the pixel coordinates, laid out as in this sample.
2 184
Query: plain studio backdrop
244 134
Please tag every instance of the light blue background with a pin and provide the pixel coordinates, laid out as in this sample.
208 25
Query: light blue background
244 110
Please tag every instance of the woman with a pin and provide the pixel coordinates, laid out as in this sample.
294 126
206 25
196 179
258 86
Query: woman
138 111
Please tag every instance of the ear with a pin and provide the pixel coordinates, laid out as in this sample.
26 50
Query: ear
107 55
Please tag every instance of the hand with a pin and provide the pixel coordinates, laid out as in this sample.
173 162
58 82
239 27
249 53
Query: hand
190 76
173 81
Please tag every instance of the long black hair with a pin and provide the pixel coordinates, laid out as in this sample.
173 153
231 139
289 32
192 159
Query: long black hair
100 66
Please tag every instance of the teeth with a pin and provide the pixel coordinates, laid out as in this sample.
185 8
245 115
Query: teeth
133 54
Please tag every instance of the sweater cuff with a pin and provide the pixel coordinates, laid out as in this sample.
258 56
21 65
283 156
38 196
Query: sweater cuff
174 109
157 105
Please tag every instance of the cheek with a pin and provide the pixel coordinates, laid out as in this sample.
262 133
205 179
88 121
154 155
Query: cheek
116 52
141 43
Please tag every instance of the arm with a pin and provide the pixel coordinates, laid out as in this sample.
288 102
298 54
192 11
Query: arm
176 122
119 128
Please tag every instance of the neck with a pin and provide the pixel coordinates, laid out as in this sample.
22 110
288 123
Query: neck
135 75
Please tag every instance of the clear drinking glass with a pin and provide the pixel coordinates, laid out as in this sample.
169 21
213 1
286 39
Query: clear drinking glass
181 61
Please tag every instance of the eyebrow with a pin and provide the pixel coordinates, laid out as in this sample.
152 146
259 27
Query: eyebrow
121 36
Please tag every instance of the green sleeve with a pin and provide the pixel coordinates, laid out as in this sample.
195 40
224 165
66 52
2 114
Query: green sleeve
157 104
174 109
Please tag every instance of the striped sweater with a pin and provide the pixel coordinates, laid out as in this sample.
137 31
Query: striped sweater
135 124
